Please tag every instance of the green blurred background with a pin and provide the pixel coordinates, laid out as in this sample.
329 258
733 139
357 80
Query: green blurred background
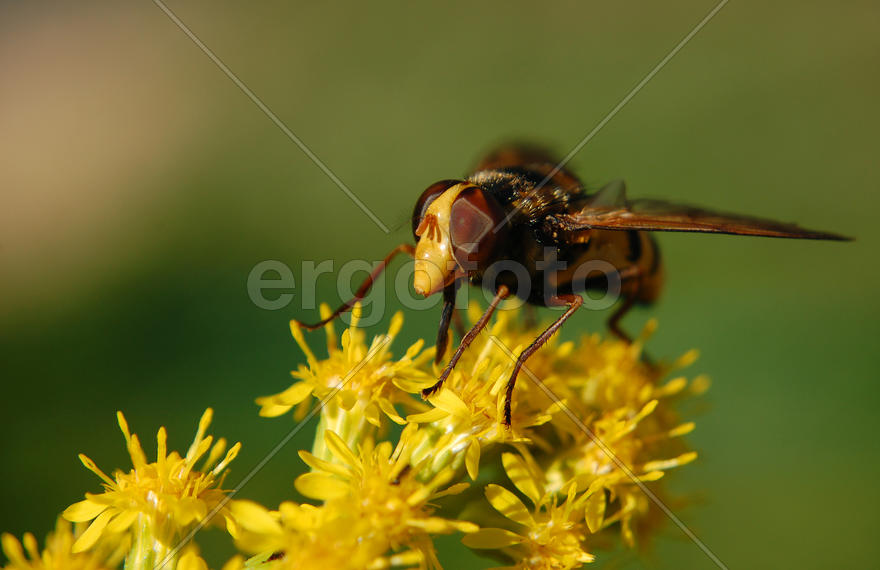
140 186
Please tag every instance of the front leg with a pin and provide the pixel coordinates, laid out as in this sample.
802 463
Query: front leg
363 289
502 293
445 317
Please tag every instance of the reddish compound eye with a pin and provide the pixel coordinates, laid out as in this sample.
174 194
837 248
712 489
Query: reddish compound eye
475 226
428 196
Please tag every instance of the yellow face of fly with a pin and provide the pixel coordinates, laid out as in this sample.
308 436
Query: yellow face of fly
435 264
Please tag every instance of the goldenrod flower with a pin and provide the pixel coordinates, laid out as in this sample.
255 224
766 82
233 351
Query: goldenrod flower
352 372
592 423
550 535
377 509
308 537
384 487
58 553
632 437
155 503
625 432
361 384
389 486
468 412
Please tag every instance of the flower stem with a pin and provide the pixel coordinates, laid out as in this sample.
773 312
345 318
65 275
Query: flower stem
351 425
147 551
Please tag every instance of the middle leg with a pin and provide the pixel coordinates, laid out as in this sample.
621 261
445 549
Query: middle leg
573 302
502 293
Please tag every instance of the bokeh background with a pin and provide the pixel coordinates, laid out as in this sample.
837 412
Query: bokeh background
140 186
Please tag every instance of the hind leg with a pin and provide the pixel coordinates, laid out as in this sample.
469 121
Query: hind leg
617 315
630 292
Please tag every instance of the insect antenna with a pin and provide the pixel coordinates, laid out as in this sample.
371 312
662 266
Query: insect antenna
363 289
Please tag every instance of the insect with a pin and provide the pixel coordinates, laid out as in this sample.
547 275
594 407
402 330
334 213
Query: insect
517 209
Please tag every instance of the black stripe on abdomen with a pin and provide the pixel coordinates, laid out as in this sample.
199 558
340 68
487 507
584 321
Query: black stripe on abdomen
635 246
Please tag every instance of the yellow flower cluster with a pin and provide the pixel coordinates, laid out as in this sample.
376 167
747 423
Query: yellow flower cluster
358 386
59 552
592 424
375 500
594 427
150 508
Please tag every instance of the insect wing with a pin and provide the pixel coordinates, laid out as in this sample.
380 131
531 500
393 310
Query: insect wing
611 196
658 215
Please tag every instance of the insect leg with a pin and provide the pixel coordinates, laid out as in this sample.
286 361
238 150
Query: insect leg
363 289
502 293
614 319
445 317
629 276
573 302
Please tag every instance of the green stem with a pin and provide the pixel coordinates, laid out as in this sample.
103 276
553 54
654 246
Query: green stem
351 425
450 456
149 552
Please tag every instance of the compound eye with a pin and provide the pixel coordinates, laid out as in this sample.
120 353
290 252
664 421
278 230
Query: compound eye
428 196
474 224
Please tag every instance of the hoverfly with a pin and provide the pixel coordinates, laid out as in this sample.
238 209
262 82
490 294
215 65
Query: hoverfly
516 206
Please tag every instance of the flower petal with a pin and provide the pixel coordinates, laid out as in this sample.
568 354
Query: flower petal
432 415
388 408
472 459
661 464
83 511
594 510
452 490
491 538
91 535
191 561
93 467
338 447
672 387
234 563
449 401
437 525
295 394
13 551
371 414
508 505
268 410
253 517
321 486
123 521
520 475
318 464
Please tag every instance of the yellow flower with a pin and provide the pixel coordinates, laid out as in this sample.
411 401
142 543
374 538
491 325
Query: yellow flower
377 509
353 372
312 537
58 554
156 503
468 412
550 535
358 384
592 423
388 487
618 431
633 437
582 477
